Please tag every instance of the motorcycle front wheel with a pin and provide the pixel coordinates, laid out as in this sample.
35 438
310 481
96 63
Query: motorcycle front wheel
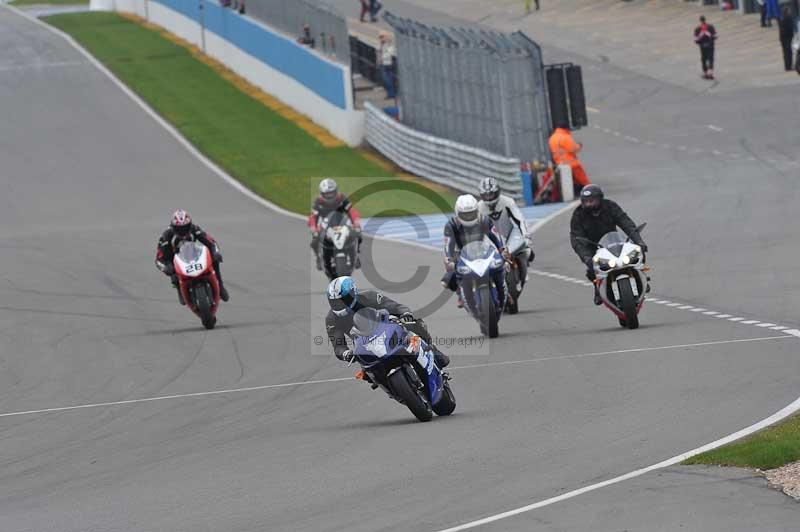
411 397
204 304
488 311
628 304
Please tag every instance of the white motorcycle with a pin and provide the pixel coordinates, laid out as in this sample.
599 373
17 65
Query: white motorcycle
516 271
621 276
339 249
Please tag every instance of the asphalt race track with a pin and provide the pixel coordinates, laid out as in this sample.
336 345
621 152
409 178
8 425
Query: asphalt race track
89 181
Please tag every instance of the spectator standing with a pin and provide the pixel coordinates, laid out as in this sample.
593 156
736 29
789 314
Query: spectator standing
528 5
704 35
763 10
305 37
364 9
786 33
374 7
565 151
388 65
771 11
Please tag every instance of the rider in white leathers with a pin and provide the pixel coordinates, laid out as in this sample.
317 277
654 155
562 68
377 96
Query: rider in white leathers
503 212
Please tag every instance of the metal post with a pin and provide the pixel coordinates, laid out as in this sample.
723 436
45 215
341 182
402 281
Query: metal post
202 26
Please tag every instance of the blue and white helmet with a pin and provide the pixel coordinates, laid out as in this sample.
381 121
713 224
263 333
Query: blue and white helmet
342 295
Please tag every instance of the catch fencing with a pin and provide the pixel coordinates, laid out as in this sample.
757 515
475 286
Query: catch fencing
328 26
443 161
477 87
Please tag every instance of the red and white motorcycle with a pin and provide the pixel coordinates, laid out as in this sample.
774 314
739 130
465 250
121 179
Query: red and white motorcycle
198 281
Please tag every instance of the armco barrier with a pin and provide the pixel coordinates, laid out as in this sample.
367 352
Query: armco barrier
443 161
298 76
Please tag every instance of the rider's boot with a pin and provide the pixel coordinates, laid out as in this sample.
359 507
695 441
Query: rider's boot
223 292
319 263
459 300
597 299
440 359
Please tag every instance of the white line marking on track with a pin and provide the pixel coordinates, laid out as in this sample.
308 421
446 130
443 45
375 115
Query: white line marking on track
755 427
698 309
714 128
793 332
735 319
711 313
685 307
765 325
723 316
750 322
779 328
673 304
344 379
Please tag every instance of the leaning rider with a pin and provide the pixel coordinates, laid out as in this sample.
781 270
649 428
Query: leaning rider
180 229
592 219
345 299
468 226
328 201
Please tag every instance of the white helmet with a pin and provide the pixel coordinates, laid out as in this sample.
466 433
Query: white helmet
328 189
467 210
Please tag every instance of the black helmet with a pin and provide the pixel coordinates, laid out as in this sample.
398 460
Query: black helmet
592 199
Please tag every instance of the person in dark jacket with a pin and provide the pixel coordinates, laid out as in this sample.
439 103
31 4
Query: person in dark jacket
705 35
180 229
467 226
345 299
592 219
786 33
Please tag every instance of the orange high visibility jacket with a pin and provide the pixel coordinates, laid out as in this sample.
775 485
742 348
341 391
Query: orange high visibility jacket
563 147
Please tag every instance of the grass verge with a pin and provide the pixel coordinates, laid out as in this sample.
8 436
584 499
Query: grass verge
267 152
772 447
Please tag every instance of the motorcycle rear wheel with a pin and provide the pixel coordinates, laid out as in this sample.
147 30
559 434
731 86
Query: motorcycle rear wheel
412 398
447 403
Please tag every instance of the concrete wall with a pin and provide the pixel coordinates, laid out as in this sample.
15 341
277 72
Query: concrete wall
301 78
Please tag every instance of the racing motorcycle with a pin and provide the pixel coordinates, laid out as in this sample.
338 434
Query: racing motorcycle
401 363
339 244
621 276
197 281
517 270
476 264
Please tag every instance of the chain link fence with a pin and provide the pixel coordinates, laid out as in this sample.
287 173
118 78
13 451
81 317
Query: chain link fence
327 25
481 88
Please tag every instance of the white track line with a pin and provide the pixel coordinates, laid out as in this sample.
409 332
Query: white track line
343 379
774 418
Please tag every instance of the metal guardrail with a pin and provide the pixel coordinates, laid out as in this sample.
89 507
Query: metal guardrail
443 161
328 26
482 88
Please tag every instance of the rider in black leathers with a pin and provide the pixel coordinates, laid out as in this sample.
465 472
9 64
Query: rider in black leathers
345 300
182 228
592 219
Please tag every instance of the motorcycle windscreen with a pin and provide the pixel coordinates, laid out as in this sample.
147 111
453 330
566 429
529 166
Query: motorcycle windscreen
478 256
336 218
613 242
190 251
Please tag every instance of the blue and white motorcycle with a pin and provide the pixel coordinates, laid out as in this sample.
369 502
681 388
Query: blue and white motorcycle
478 263
401 363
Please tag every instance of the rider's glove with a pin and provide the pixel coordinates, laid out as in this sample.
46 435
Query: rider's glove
348 356
168 269
449 265
507 255
406 317
644 247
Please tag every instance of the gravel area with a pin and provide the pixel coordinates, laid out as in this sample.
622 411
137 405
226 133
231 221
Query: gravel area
786 478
